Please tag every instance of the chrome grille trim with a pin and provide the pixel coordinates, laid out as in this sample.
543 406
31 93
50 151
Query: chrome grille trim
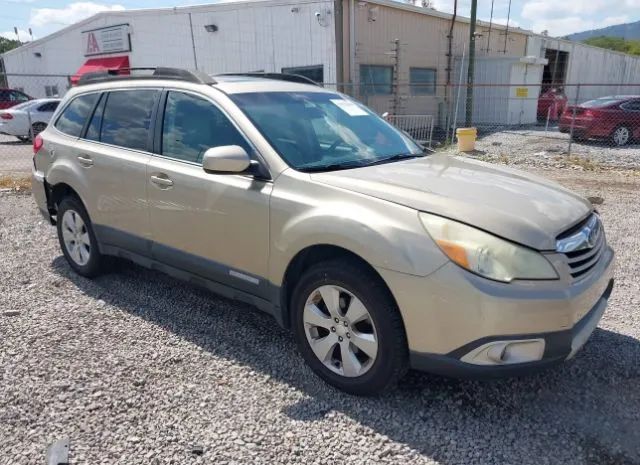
582 246
584 238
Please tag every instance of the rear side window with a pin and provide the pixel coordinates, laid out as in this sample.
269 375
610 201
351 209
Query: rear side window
48 107
633 105
192 125
72 119
127 118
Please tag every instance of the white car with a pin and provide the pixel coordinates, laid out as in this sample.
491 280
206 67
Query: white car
14 121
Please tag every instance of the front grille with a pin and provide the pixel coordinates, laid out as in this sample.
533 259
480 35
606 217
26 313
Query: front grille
583 246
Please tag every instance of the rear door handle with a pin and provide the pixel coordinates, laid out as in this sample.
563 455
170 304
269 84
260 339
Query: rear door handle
161 180
85 160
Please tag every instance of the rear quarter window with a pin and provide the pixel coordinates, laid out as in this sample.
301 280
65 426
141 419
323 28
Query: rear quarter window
73 117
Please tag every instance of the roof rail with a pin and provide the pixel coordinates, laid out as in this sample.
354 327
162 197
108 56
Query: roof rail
178 74
278 76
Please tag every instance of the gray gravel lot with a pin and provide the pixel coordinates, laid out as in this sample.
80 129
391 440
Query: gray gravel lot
138 368
15 156
532 147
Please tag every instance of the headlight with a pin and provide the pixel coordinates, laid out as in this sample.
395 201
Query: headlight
485 254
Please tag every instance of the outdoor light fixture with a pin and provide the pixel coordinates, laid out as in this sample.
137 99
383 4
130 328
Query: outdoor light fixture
211 28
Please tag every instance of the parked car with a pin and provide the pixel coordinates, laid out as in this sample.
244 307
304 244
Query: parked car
616 118
10 98
27 118
376 254
551 104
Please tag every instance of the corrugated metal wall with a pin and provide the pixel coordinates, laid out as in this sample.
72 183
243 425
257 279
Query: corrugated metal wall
423 43
251 36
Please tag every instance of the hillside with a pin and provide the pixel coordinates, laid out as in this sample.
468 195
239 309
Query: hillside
630 31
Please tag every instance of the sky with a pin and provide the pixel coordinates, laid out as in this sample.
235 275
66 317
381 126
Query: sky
558 17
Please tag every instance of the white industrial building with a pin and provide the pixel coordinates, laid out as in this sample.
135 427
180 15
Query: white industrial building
394 56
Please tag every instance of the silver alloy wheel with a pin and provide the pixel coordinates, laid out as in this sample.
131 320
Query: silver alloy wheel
76 237
621 135
340 331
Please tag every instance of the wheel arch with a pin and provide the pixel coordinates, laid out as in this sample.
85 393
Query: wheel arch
59 191
309 256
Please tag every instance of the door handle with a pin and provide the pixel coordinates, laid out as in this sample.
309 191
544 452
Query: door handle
85 160
161 180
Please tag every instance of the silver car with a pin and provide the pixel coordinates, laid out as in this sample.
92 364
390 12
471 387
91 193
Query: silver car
27 119
377 255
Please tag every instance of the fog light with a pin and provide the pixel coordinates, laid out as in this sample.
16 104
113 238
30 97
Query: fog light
506 352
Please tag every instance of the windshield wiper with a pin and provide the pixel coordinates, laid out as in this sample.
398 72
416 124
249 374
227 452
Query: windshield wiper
396 157
330 167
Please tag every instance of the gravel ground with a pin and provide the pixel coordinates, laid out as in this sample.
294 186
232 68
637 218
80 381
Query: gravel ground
137 368
15 156
531 147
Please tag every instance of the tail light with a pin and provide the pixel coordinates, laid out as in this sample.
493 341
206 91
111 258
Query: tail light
6 116
38 142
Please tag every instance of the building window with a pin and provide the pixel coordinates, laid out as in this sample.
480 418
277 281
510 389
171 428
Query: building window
315 73
51 91
422 81
376 79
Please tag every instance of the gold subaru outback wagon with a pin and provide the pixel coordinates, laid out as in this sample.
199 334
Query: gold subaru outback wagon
376 254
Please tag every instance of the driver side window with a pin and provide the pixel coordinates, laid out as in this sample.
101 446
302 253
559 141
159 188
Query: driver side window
192 125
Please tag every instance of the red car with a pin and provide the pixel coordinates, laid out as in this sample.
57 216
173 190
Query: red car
11 97
616 118
551 103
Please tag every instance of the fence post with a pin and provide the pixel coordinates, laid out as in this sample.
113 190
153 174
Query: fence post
29 121
573 119
546 126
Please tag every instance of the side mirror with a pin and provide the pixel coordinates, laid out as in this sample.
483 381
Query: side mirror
226 159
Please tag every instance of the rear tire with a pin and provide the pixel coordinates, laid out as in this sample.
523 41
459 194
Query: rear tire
621 136
23 138
359 345
77 239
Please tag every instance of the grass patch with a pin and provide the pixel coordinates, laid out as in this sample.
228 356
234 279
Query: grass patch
15 183
585 163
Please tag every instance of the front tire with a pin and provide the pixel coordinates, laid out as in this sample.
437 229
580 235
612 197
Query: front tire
348 328
77 239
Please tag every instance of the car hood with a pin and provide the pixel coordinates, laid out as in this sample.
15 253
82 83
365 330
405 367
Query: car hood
514 205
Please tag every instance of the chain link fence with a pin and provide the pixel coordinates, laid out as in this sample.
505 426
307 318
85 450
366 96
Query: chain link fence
599 122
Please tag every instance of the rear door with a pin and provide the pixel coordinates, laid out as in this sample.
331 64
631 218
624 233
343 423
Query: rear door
112 154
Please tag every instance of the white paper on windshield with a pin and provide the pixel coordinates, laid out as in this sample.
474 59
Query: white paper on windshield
349 107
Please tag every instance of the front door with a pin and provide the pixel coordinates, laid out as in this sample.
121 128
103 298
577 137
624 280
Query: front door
213 225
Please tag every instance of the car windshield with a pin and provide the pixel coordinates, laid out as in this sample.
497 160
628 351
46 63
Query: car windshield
317 131
600 102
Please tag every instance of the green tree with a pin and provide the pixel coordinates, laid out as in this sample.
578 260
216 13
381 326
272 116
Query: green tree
632 47
8 44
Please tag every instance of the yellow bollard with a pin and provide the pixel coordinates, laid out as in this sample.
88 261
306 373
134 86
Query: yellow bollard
466 139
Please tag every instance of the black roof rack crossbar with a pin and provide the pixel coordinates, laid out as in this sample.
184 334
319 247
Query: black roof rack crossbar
178 74
278 76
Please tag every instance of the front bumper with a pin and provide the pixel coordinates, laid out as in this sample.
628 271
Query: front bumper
559 346
452 313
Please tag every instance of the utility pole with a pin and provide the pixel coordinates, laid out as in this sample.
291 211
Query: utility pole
471 67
